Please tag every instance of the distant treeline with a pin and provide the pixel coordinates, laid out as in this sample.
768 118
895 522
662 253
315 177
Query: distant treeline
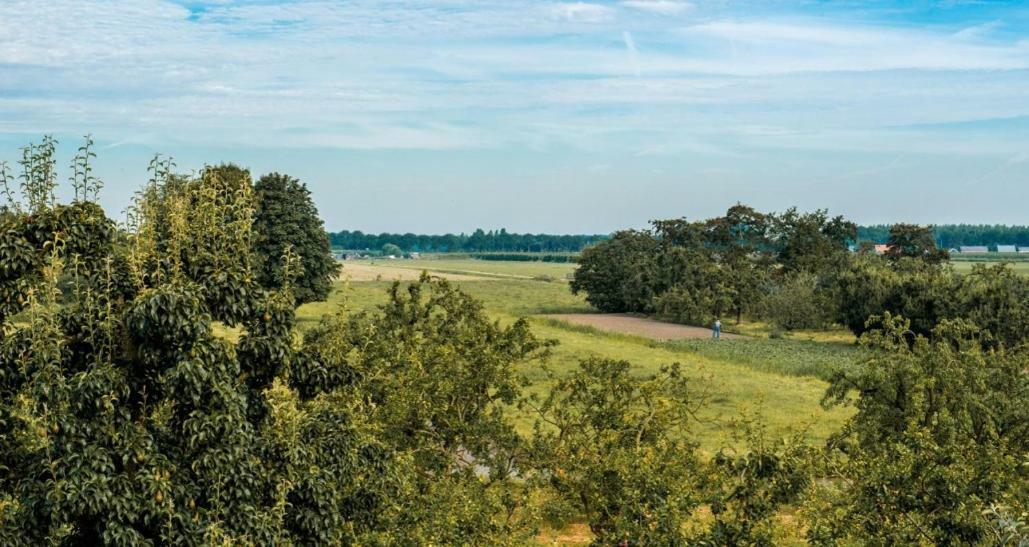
501 241
949 236
479 241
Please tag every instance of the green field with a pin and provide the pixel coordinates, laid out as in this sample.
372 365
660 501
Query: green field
526 269
781 380
965 266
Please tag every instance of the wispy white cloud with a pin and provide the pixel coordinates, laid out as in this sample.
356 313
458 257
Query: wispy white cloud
634 54
664 7
583 12
814 45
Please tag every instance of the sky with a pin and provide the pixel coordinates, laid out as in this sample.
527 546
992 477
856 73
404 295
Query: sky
542 116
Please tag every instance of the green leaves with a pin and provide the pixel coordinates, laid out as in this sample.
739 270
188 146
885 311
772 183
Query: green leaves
286 219
939 429
614 449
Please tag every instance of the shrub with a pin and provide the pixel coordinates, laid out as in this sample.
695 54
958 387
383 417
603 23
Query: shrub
609 447
939 438
797 303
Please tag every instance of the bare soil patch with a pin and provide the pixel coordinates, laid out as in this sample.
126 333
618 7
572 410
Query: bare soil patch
639 326
356 271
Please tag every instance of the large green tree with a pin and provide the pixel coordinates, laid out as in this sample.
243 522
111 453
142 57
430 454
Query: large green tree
286 217
615 274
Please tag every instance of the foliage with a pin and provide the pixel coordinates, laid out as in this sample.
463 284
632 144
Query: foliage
995 297
614 274
479 241
126 420
610 447
748 488
913 241
810 242
433 375
390 249
287 219
797 303
938 439
695 272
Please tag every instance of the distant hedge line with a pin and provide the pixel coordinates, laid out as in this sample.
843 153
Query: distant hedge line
527 257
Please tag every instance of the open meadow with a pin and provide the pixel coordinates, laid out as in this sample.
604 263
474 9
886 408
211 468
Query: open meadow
782 381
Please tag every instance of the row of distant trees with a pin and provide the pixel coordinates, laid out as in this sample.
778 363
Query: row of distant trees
481 241
478 242
950 236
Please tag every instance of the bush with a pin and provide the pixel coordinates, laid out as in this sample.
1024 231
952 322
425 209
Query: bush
797 303
938 440
608 446
697 307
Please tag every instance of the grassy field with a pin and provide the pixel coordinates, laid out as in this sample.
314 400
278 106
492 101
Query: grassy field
965 266
782 381
496 268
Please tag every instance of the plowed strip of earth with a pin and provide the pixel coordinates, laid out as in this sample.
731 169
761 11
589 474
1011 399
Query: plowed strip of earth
639 326
368 272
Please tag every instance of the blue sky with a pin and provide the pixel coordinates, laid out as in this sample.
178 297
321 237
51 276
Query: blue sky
447 115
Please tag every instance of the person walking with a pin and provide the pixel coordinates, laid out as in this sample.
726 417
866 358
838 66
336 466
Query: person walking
716 329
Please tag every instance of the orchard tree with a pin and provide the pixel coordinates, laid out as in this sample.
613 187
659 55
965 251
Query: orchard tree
391 249
937 445
286 218
612 449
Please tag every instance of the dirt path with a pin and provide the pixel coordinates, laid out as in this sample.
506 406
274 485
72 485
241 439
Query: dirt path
355 271
640 326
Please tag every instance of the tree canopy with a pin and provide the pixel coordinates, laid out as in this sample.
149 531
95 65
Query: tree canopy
286 218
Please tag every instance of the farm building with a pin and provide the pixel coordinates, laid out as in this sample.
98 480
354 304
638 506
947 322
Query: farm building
974 249
1023 249
1006 249
881 249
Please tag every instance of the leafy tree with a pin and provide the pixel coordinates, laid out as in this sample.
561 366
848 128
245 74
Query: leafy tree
390 249
913 241
610 447
996 300
747 488
433 375
797 303
939 436
740 241
614 274
810 242
286 218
